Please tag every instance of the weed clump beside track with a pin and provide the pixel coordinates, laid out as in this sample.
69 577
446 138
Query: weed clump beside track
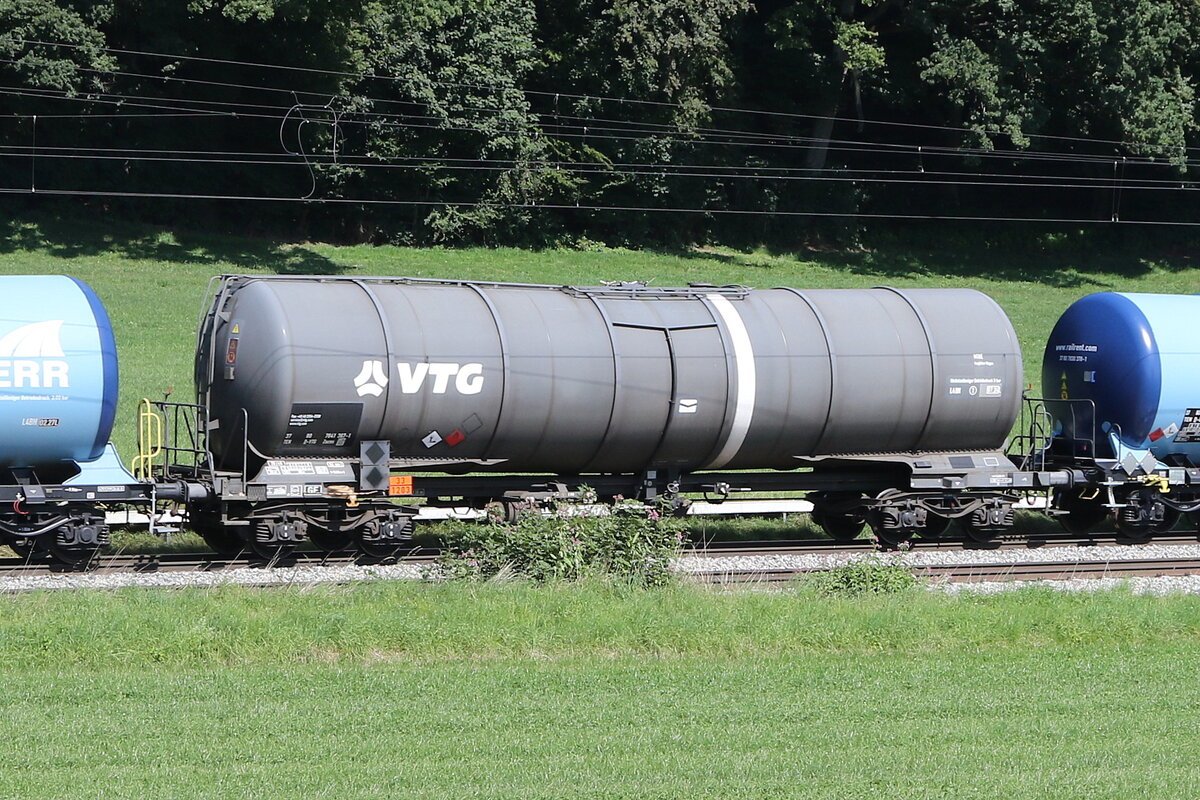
866 577
631 544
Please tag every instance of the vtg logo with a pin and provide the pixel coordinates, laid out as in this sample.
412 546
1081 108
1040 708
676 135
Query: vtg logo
30 357
468 378
371 379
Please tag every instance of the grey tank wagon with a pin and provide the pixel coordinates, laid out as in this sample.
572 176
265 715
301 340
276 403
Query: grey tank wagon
323 400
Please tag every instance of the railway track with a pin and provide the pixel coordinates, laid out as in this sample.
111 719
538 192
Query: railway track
943 544
816 546
1108 556
985 572
204 562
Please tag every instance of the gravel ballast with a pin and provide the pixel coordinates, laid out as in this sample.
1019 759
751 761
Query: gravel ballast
713 565
242 576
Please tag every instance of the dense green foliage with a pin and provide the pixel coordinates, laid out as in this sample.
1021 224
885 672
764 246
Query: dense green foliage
527 121
632 545
868 576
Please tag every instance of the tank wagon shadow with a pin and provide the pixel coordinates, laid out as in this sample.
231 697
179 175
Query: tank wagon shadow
66 238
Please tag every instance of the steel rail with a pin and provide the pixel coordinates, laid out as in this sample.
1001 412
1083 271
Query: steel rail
985 572
1097 544
206 562
1011 542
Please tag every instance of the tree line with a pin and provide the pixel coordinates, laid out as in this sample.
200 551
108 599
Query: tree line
626 122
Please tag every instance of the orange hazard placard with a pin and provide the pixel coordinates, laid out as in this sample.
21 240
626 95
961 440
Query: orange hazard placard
400 485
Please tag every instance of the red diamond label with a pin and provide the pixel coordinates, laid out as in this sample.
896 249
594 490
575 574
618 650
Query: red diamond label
455 437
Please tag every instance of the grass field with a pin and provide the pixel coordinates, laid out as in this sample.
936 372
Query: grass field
507 691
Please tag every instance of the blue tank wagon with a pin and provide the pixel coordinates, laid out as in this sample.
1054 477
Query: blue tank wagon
58 399
1122 376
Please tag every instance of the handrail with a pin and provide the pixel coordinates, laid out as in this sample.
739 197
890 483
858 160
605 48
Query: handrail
174 436
149 440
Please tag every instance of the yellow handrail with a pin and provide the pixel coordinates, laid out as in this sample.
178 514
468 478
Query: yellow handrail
149 440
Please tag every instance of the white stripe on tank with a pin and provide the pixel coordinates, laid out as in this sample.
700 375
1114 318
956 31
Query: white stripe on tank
745 380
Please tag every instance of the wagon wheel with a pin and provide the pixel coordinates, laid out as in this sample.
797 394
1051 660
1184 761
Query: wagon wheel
893 537
74 555
330 541
839 527
1170 518
1136 531
268 551
372 547
1082 514
976 533
887 537
843 524
223 541
935 526
30 548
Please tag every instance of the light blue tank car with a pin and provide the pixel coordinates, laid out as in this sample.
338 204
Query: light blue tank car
1137 358
58 374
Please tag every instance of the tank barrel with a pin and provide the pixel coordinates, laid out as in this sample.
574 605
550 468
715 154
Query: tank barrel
580 380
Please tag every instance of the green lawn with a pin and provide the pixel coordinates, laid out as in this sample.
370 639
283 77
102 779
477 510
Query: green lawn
1077 724
563 692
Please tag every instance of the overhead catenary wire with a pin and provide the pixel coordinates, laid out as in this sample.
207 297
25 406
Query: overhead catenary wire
536 125
586 123
582 132
592 123
583 97
884 177
993 180
508 163
592 207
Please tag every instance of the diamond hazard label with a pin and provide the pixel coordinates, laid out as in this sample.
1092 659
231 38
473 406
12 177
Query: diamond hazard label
432 439
455 437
